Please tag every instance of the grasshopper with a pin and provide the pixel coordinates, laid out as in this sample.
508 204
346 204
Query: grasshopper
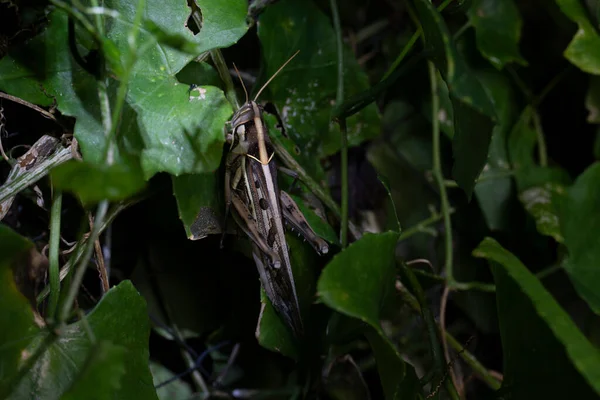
261 207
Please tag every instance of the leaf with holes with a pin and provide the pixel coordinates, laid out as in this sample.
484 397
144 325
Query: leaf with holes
163 127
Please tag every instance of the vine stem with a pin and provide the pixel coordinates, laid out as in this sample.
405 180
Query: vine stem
339 99
225 76
82 266
53 267
433 334
489 377
439 177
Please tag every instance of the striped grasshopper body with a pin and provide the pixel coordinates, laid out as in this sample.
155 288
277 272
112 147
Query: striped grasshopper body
261 209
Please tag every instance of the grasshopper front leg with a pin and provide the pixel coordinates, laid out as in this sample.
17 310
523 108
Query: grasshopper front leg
294 217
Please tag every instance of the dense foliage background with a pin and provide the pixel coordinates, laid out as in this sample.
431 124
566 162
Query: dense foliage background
474 191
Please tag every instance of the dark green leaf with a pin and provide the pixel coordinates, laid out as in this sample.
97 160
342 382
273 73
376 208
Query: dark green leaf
199 204
551 338
498 30
580 223
584 49
472 108
541 203
95 182
15 311
493 190
66 357
357 282
305 89
398 381
106 364
272 333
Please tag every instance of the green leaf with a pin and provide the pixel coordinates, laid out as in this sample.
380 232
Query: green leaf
105 363
271 331
498 31
540 188
592 100
177 390
305 89
171 131
584 49
199 203
541 203
15 311
185 129
551 338
121 319
493 190
95 182
580 223
473 111
398 381
357 282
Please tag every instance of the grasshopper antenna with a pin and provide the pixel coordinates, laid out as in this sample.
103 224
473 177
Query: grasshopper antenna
275 74
241 81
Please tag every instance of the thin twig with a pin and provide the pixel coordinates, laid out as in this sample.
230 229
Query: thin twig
99 260
230 361
432 332
39 109
443 304
83 263
491 378
422 226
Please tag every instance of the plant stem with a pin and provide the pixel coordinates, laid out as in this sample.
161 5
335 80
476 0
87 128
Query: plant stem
345 191
439 177
474 363
54 244
83 263
339 99
432 331
221 66
410 44
405 50
421 226
487 377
